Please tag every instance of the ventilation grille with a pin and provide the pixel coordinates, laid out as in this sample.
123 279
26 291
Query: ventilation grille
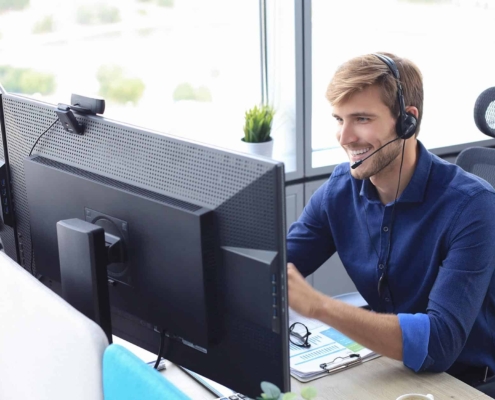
240 189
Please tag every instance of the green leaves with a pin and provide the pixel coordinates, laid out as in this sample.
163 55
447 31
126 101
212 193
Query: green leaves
308 393
272 392
28 81
6 5
185 91
117 87
258 124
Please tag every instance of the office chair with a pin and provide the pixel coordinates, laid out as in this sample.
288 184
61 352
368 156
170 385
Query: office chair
484 112
480 161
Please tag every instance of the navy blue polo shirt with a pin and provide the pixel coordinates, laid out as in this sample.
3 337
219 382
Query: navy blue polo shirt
440 277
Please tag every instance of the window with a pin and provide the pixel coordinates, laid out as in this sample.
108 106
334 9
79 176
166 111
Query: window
186 67
450 41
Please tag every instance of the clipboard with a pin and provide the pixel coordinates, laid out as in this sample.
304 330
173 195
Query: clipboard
334 366
330 351
331 367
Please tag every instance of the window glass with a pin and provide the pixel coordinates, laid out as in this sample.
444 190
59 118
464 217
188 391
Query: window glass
186 67
451 41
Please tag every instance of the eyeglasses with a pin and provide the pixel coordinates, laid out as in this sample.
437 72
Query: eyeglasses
299 335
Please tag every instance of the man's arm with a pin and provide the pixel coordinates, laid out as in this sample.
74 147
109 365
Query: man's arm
310 242
433 340
378 332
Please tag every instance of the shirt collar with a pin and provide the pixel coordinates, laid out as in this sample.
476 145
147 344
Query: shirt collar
415 190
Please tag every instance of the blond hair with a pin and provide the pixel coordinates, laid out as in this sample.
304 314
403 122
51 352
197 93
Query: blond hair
361 72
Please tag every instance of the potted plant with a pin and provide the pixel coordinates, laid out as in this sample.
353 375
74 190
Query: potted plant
257 129
272 392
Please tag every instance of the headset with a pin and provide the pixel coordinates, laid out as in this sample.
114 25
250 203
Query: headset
405 128
407 122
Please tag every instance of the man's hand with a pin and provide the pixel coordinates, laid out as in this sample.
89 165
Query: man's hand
302 297
379 332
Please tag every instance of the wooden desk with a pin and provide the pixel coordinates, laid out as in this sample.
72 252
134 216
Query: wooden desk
379 379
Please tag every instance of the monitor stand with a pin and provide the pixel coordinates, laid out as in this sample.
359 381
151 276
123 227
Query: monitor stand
83 269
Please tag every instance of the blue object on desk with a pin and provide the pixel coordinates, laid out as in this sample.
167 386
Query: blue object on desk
126 377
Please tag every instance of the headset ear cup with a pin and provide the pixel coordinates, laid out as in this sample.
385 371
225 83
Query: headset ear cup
407 127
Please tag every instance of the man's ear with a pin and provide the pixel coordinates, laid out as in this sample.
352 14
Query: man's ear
413 110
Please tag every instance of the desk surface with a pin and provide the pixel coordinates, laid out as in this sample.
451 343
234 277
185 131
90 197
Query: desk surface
379 379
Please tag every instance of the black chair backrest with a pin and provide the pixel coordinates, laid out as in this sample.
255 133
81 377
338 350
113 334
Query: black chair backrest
480 161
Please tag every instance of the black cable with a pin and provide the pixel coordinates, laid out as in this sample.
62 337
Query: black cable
395 202
392 219
32 253
30 234
40 136
160 350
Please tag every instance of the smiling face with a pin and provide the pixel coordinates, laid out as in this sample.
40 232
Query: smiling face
364 124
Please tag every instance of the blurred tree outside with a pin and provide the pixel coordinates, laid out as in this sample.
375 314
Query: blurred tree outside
96 14
7 5
161 3
165 3
203 94
116 87
26 81
185 91
45 25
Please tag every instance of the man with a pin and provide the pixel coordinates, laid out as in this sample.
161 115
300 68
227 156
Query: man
415 233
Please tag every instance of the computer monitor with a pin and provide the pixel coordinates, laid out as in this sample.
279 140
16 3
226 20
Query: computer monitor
203 234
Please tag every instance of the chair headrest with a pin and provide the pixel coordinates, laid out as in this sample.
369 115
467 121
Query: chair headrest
484 112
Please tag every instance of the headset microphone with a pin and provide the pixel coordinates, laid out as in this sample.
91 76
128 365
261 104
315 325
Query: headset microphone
358 163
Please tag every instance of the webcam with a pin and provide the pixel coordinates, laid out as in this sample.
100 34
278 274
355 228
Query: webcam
80 104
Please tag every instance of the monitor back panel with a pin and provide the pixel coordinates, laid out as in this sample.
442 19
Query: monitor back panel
246 193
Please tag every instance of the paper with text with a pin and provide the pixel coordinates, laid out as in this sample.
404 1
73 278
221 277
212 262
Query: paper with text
328 346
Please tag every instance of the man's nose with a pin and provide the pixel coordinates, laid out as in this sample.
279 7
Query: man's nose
346 134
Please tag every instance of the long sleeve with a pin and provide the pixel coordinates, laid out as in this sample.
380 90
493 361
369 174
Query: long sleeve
434 341
309 242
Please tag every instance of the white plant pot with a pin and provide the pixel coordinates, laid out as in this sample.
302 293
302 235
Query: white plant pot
264 149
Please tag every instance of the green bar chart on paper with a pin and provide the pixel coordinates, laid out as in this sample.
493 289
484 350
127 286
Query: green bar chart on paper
342 340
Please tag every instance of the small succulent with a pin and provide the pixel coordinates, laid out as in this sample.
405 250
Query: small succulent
272 392
258 124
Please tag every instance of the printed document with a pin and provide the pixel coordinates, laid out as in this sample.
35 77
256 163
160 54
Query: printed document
330 351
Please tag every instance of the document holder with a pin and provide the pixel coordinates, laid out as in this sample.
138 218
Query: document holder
335 366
